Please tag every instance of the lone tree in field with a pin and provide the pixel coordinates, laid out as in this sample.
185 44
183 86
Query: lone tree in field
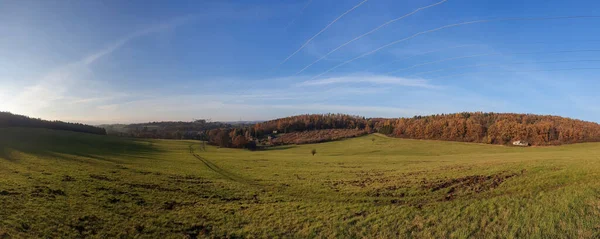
313 152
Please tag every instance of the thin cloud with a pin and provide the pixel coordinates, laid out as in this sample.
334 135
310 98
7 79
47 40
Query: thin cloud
58 83
499 64
524 71
489 54
106 96
321 31
451 26
119 43
418 54
373 79
370 32
350 109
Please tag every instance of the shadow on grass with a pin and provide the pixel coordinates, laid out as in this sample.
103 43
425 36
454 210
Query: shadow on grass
67 145
6 153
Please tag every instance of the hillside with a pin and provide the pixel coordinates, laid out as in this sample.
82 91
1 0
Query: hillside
70 185
316 136
12 120
301 123
477 127
493 128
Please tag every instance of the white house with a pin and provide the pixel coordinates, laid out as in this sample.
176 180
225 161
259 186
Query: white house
521 143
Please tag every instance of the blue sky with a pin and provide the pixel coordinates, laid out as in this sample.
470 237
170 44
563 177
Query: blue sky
137 61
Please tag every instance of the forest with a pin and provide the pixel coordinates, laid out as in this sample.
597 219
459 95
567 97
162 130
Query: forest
12 120
492 128
317 136
311 122
477 127
315 128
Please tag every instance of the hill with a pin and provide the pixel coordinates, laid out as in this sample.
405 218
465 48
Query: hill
12 120
70 185
197 129
477 127
298 129
493 128
301 123
316 136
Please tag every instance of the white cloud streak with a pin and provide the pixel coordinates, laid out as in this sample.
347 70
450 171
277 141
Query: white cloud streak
59 83
497 64
450 26
418 54
119 43
370 32
373 79
524 71
321 31
488 54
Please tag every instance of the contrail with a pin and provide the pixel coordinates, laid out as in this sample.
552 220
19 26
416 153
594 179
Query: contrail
443 60
451 26
306 5
420 54
322 30
301 12
564 69
498 64
488 54
459 46
369 32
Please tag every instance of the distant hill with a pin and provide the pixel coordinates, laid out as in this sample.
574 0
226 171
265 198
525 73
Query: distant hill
299 129
12 120
478 127
167 129
301 123
242 122
493 128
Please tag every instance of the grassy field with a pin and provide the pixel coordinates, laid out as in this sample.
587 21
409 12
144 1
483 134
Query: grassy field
63 184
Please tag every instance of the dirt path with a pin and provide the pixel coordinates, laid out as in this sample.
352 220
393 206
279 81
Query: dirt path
220 171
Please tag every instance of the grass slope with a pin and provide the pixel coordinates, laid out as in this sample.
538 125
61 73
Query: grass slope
63 184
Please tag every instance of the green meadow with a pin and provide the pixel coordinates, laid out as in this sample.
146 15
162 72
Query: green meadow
57 184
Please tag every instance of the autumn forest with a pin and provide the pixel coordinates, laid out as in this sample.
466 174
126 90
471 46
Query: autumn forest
476 127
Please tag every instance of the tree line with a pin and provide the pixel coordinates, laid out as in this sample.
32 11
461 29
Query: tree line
492 128
8 119
247 136
197 129
311 122
479 127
